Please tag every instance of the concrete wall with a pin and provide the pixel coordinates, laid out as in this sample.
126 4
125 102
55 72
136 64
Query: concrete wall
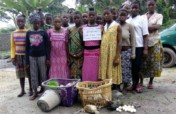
4 42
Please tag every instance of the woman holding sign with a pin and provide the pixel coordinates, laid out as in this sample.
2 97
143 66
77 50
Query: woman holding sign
91 38
110 62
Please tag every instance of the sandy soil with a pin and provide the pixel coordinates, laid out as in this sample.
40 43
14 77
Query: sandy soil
161 100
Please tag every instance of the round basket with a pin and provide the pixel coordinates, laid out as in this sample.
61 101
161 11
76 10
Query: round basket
95 93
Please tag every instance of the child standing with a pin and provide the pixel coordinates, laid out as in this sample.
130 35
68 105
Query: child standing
18 41
76 48
91 52
141 31
85 18
110 60
37 53
65 21
99 20
48 21
59 50
128 47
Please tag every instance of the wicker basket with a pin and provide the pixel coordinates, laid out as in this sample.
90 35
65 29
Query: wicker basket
95 93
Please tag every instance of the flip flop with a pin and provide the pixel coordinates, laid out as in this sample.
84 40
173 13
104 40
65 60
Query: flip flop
33 97
150 86
139 89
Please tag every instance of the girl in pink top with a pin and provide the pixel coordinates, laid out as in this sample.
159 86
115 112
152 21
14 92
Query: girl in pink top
91 53
59 48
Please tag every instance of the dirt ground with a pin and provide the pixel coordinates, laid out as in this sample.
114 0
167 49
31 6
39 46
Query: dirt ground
160 100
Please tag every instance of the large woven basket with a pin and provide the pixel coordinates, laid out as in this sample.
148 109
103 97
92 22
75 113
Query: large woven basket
95 93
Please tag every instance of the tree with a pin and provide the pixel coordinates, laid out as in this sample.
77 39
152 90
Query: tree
56 7
99 5
3 16
15 7
163 8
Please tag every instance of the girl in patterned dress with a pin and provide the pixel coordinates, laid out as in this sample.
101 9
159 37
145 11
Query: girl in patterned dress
76 48
58 37
152 64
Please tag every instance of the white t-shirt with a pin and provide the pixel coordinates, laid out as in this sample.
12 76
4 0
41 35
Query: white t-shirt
140 28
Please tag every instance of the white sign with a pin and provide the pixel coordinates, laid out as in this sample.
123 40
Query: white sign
91 33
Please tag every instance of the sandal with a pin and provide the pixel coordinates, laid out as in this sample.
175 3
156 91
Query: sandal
33 97
150 86
139 89
131 88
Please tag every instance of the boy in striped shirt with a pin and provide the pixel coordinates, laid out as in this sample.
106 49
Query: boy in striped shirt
18 41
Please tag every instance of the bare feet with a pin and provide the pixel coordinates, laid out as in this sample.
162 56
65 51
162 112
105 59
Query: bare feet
21 94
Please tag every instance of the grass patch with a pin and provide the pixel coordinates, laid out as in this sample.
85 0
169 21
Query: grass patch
4 53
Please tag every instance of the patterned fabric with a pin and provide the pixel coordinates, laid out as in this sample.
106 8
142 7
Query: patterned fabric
35 39
155 19
91 61
152 65
108 53
20 67
18 41
37 66
126 66
75 48
58 54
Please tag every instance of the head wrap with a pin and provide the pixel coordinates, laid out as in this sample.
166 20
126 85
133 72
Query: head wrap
34 17
40 13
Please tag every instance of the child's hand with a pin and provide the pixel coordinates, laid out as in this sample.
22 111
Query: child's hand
145 52
102 29
13 61
116 61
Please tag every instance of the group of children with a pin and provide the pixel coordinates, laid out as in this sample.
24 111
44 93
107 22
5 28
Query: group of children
56 49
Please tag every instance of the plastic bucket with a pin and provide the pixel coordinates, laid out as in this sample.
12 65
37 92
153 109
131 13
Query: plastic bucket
48 100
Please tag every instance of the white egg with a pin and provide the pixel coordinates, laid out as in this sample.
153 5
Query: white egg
118 110
120 107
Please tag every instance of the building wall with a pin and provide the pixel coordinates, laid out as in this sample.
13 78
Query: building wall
4 42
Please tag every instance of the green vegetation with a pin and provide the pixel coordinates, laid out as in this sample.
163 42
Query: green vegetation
15 7
99 5
4 53
165 7
7 30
